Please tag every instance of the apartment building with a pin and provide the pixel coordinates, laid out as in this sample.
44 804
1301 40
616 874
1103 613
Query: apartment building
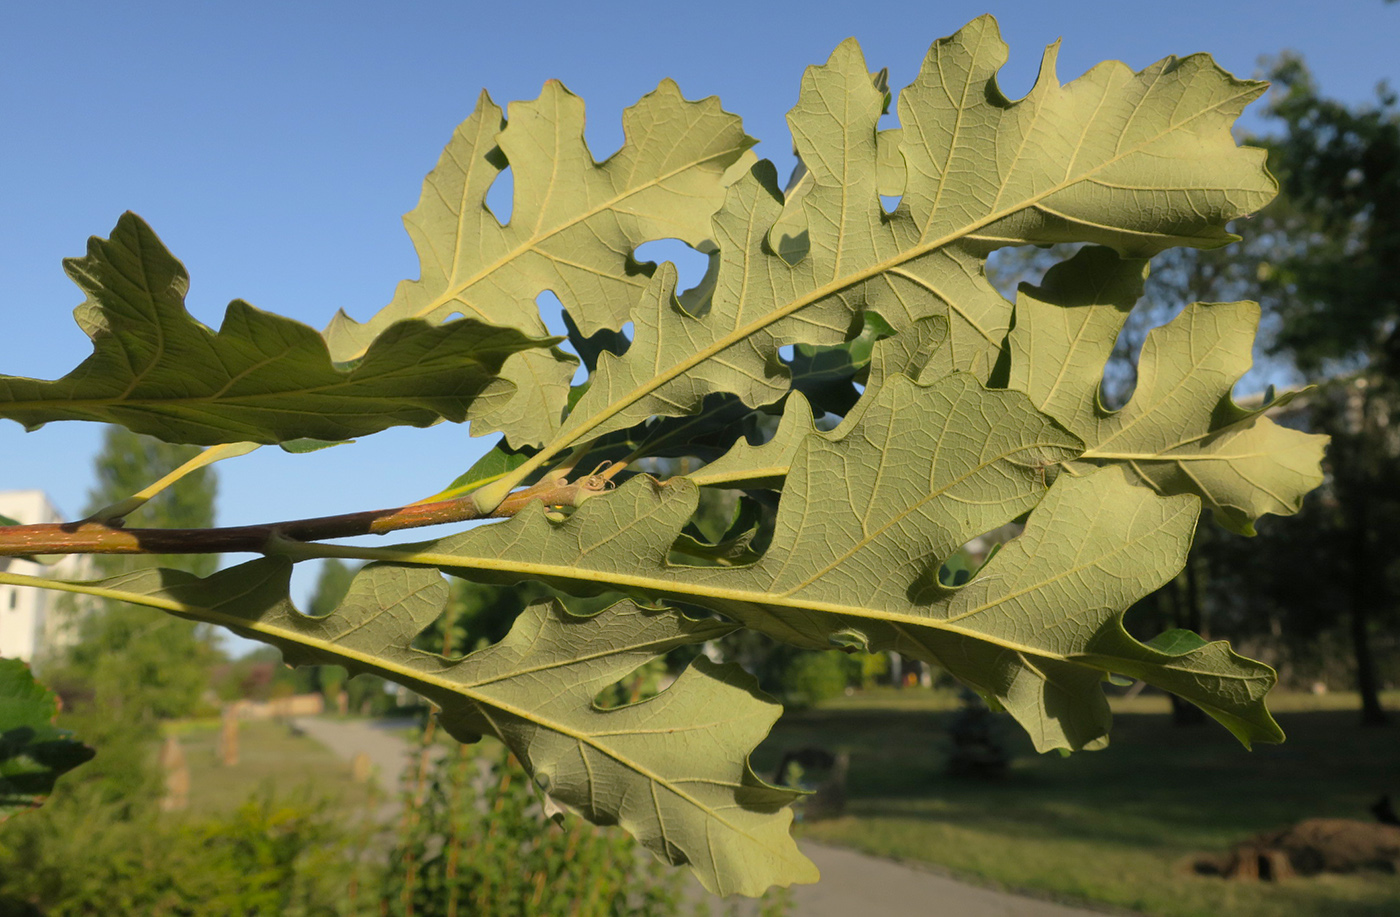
34 622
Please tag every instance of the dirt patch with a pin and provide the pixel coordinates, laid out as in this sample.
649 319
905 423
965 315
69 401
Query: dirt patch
1312 846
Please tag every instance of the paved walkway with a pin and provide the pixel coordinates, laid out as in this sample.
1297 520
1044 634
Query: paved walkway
852 883
381 740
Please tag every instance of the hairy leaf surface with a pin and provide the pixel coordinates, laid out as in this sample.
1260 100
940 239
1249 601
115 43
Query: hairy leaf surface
1181 432
672 770
261 378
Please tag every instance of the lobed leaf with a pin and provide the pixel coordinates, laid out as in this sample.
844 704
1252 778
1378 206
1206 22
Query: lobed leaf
572 230
914 353
891 306
1137 161
1181 432
765 465
672 770
261 378
868 517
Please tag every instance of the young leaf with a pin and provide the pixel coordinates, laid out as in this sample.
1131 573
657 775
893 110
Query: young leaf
261 378
914 353
33 752
669 769
1181 432
765 465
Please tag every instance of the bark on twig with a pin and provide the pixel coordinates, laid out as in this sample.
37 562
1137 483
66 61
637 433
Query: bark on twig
88 537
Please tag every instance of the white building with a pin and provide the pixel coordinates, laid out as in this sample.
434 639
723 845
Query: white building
32 621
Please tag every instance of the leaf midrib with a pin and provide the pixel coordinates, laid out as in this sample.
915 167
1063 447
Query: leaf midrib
837 285
213 616
676 587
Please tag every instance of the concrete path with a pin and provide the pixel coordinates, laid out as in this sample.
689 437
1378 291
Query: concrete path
381 740
852 883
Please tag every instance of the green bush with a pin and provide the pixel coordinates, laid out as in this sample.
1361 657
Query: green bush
812 677
101 846
475 840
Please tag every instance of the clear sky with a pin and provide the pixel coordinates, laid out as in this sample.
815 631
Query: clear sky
274 146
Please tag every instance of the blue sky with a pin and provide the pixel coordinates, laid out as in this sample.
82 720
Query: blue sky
274 147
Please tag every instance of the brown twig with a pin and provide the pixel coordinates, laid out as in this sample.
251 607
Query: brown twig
88 537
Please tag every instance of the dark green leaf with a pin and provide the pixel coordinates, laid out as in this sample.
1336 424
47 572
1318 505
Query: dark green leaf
33 752
261 378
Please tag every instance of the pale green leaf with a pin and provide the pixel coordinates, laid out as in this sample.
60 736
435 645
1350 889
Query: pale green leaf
1054 599
671 769
914 353
868 517
572 230
1138 161
260 378
1181 432
527 402
668 769
1066 329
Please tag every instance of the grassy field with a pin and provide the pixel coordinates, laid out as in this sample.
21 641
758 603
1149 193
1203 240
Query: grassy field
270 758
1119 827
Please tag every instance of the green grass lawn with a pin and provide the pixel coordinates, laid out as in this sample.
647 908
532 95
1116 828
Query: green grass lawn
272 759
1120 826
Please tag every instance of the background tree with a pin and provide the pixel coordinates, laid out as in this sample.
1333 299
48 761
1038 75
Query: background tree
137 661
1337 294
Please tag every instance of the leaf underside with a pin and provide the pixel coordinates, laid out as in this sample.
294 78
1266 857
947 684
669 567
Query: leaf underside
673 770
868 517
573 228
1137 162
895 329
1181 432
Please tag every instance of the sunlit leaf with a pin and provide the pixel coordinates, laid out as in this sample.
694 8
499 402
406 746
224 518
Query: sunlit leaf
1137 161
572 230
673 770
1181 432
